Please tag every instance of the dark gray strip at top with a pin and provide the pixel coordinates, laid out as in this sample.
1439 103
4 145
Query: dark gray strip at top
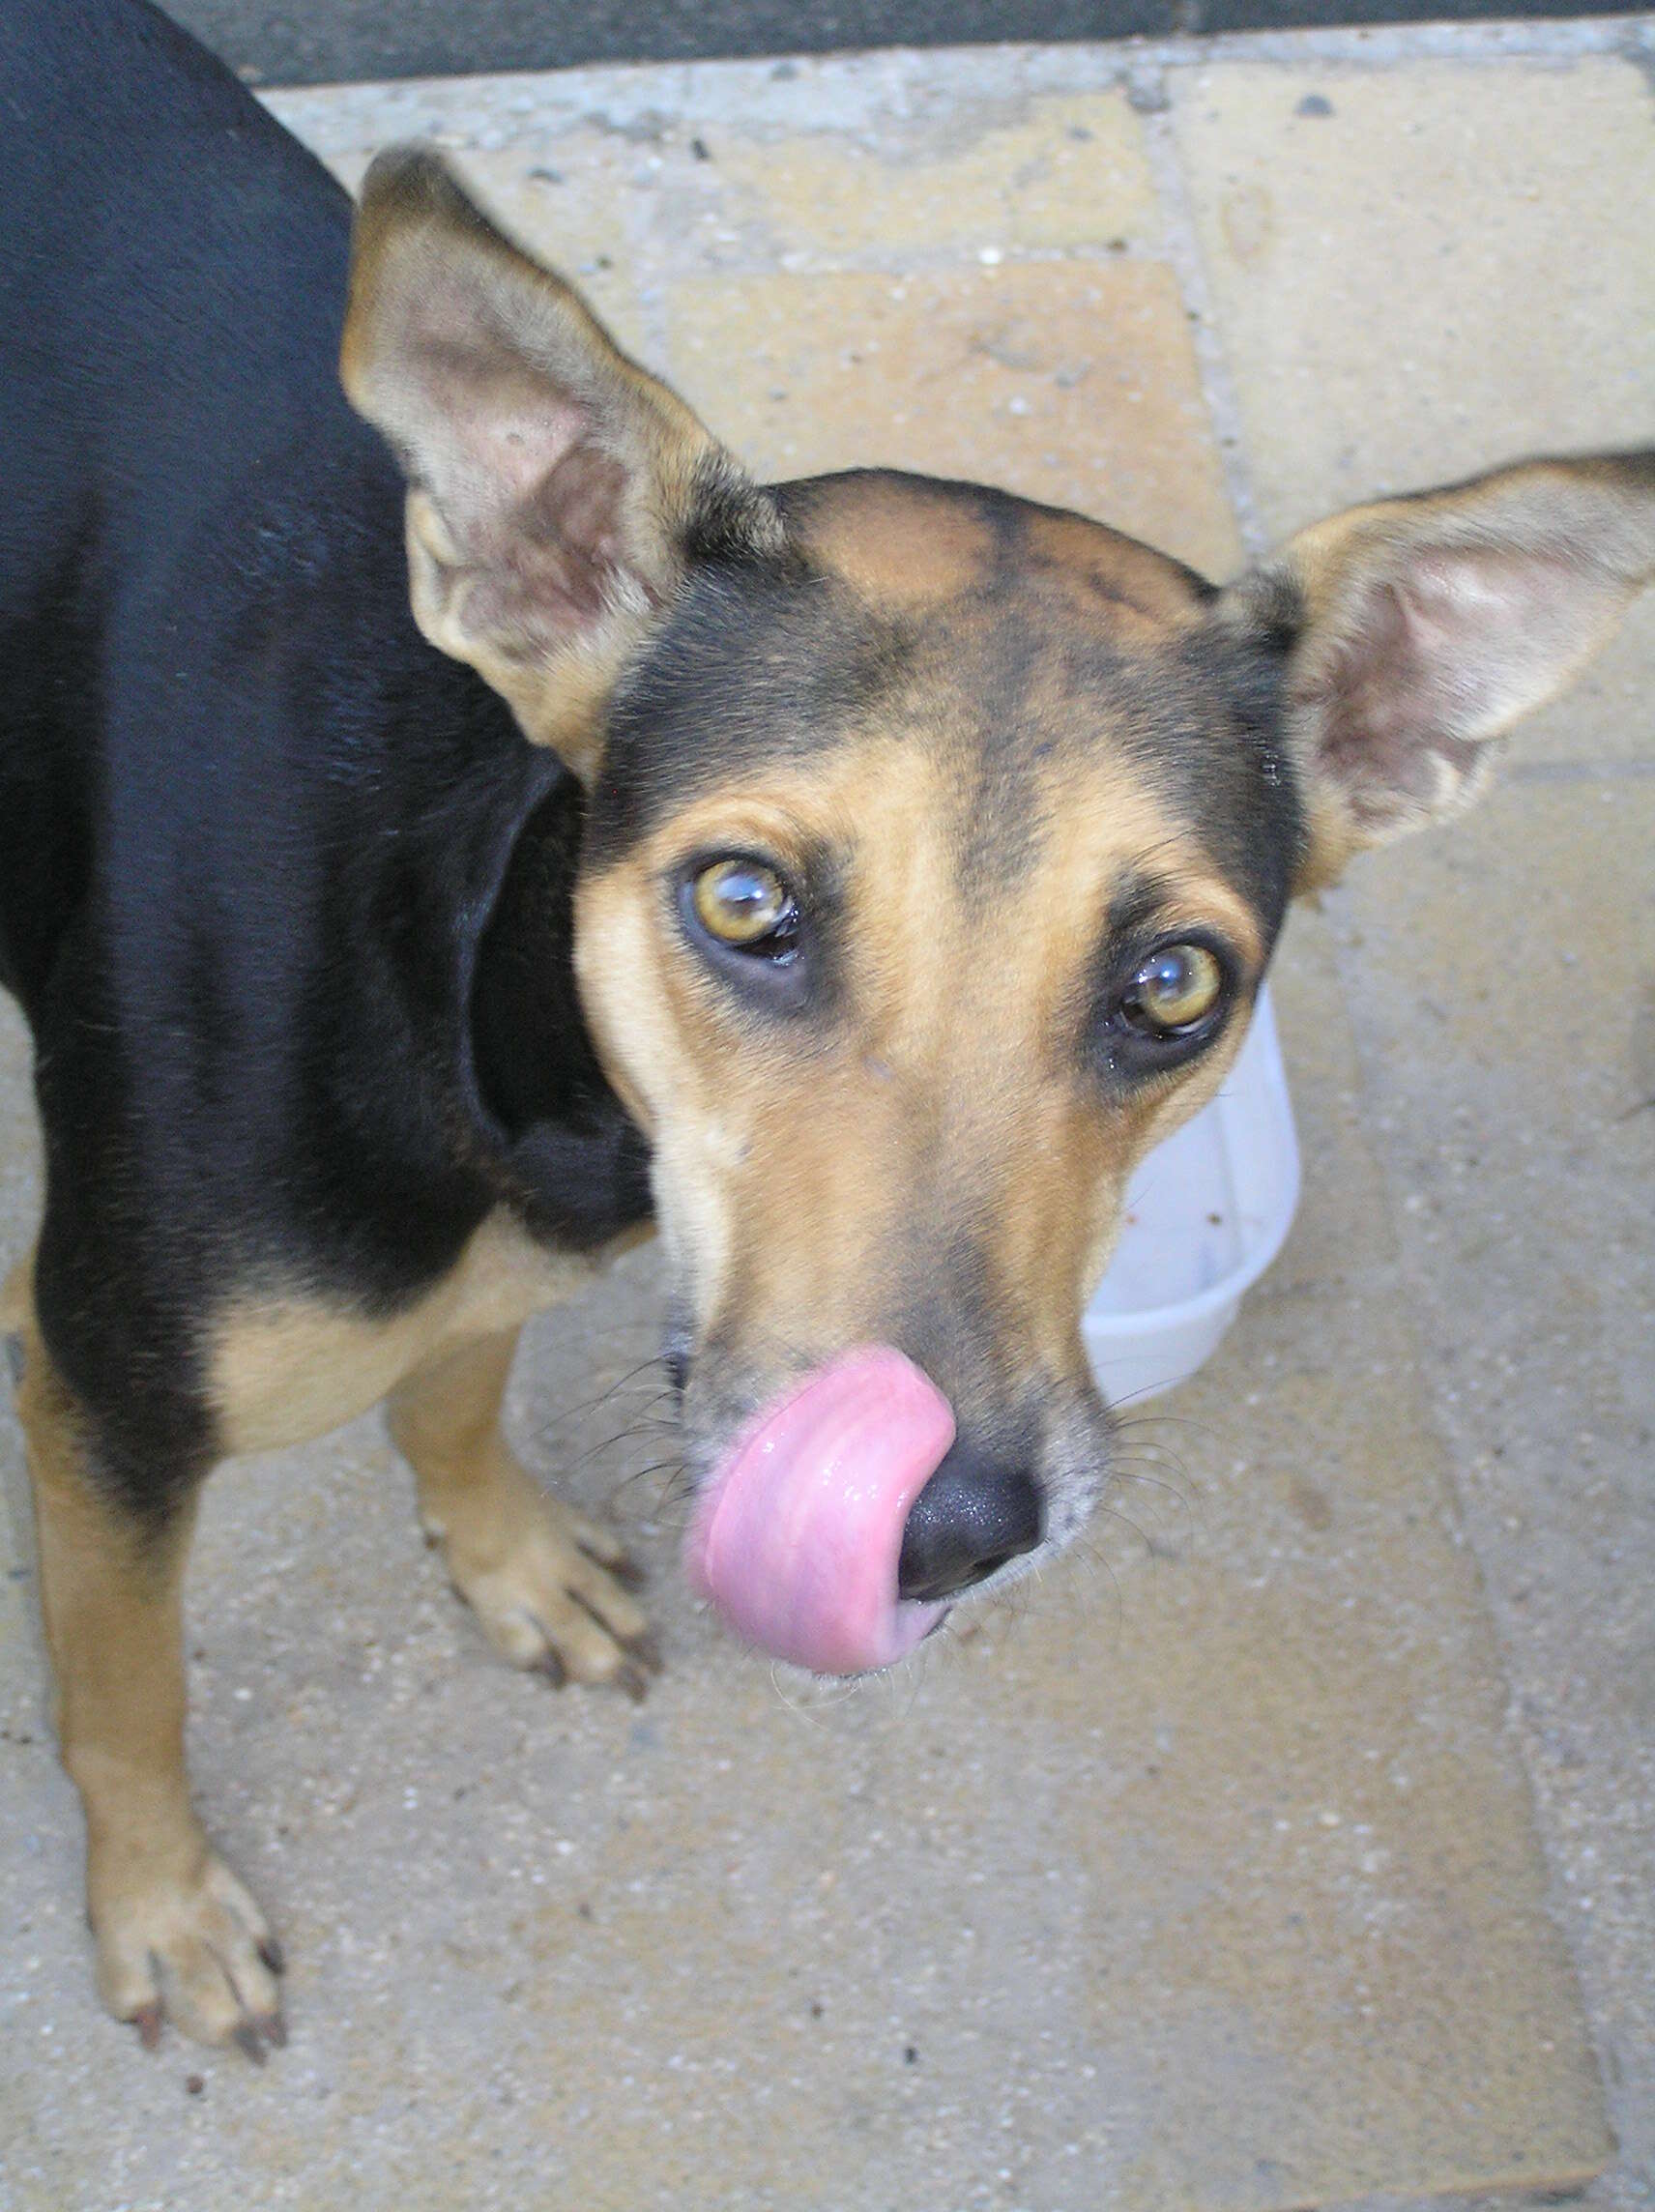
325 42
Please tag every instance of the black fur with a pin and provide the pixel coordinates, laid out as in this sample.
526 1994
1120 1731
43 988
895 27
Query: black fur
253 828
770 659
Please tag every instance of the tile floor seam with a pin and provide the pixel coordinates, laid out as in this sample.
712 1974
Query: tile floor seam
1561 1823
1577 772
1182 245
1386 46
1222 394
628 94
1593 1988
908 265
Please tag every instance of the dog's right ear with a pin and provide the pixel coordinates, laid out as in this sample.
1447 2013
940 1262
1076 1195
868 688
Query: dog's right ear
557 492
1415 631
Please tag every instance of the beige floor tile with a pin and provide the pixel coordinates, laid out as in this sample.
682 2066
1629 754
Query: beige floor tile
1519 944
1073 382
1067 383
1500 978
1422 269
1058 173
733 170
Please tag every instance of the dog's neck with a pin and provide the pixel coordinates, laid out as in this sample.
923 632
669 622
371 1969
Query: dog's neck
575 1166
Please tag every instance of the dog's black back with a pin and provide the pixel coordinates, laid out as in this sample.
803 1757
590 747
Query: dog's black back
268 861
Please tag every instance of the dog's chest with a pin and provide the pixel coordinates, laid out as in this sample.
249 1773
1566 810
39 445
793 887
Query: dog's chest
289 1366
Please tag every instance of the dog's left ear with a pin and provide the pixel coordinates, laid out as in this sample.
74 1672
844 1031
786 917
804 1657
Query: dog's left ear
1417 631
557 492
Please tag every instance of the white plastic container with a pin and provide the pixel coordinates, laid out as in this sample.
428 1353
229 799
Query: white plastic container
1205 1214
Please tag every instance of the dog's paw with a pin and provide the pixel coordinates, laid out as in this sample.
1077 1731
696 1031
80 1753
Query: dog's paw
547 1585
189 1946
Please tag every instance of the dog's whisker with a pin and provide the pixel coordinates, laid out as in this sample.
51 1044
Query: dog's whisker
633 1432
807 1698
1090 1554
632 1378
1133 1422
670 1467
1139 1451
1108 1512
547 1434
1160 1485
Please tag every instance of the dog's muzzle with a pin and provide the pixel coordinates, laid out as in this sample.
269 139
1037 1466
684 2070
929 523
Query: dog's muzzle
846 1516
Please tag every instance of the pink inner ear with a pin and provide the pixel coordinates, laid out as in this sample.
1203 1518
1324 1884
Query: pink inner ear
1380 718
514 437
571 524
533 506
580 511
537 572
1439 654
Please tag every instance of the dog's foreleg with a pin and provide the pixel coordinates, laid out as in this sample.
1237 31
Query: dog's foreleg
543 1581
176 1933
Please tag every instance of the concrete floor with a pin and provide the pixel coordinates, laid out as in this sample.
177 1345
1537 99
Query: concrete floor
1295 1844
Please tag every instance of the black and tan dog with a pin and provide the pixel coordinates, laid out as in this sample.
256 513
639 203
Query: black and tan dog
853 876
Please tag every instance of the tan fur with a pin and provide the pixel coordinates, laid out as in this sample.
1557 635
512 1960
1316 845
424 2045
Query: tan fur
900 544
1146 594
174 1928
16 1296
907 545
531 1570
172 1923
286 1367
289 1368
819 1179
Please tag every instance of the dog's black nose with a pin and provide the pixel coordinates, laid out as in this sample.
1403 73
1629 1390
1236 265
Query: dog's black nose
970 1517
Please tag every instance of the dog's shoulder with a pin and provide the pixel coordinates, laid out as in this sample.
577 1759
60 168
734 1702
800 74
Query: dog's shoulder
263 850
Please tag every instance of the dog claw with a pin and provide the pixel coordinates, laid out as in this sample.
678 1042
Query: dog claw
275 2031
147 2020
626 1571
249 2042
645 1650
272 1955
553 1668
633 1680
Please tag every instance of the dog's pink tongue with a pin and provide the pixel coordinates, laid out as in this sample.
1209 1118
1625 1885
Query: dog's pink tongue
796 1537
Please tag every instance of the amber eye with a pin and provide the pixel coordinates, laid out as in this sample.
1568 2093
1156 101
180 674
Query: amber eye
744 904
1174 990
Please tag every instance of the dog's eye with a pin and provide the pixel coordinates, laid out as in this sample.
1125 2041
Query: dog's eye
745 905
1174 992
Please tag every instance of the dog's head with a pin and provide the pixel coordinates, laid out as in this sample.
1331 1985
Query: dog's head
936 847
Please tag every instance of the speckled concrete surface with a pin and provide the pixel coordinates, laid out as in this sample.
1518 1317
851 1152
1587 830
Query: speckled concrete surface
1260 1856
